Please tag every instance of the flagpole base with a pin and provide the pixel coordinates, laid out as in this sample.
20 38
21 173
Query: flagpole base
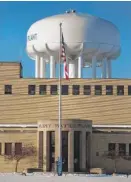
59 166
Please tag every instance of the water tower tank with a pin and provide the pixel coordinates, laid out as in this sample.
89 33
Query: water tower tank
89 41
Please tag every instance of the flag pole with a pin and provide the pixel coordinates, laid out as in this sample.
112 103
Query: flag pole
60 140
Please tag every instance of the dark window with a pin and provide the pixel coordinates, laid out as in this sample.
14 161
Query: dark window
64 89
8 89
122 149
31 89
65 150
42 89
76 90
129 90
111 149
53 90
8 148
77 142
98 90
130 149
52 150
97 153
120 90
109 90
18 148
87 89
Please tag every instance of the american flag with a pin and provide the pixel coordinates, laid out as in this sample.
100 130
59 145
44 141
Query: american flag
63 56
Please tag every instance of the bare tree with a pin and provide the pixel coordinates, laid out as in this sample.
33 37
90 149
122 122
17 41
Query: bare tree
25 152
113 155
126 157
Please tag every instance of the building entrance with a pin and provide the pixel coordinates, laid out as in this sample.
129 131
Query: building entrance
74 145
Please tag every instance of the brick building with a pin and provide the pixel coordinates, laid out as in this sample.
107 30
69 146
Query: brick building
96 117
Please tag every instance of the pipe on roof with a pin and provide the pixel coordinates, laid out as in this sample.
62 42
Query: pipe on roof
112 126
18 125
36 125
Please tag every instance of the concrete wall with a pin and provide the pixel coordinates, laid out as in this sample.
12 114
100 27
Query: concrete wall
15 136
100 144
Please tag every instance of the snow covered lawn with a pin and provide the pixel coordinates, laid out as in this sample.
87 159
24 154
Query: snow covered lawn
67 178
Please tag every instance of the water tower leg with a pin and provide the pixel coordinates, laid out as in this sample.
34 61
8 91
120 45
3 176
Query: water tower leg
108 69
104 68
80 67
42 67
94 67
52 67
76 69
37 66
72 69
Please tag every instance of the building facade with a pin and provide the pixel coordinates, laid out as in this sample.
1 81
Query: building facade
96 118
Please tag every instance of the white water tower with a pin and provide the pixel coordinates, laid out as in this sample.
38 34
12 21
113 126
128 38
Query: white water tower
89 42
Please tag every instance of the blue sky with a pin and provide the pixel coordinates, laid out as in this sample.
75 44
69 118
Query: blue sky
16 18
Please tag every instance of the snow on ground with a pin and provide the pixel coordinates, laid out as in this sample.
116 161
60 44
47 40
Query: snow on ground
64 178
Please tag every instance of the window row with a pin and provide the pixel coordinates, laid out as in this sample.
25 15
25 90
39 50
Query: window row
9 148
120 149
75 89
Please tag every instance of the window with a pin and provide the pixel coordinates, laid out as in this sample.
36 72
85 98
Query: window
76 90
8 148
129 90
97 153
120 90
111 149
52 147
87 89
130 149
53 90
8 89
122 149
42 89
109 90
98 90
31 89
64 89
18 148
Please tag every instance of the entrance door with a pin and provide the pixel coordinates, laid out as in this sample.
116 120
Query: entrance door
65 150
40 162
52 151
76 151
